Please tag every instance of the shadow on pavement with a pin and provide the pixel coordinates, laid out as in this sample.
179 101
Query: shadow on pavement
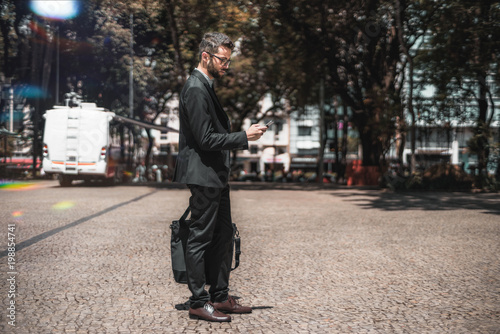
368 197
185 306
430 201
235 186
47 234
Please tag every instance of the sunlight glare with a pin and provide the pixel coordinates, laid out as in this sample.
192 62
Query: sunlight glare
55 9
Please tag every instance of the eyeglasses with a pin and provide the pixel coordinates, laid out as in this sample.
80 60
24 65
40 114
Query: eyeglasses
223 61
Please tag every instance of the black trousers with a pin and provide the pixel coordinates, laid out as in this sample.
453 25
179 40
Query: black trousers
209 245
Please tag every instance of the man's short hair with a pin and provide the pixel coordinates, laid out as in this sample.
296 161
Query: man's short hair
213 40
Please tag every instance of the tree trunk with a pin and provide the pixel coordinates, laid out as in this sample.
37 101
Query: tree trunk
482 127
5 28
400 6
497 175
150 147
401 142
35 102
322 137
372 148
413 159
345 136
336 136
174 32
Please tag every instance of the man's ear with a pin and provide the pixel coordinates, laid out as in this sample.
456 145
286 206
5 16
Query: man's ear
205 56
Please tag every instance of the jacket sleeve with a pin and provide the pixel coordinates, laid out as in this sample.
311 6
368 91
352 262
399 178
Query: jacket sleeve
202 127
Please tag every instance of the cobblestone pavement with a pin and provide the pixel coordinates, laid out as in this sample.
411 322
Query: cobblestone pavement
315 260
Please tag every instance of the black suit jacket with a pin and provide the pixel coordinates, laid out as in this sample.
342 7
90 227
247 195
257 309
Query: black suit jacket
205 140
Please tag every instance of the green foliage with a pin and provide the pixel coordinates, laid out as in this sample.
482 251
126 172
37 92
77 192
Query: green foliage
460 59
438 177
6 146
480 140
353 47
285 48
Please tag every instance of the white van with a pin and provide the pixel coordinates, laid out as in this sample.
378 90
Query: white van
77 144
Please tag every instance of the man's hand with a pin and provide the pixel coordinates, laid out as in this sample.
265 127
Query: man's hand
255 132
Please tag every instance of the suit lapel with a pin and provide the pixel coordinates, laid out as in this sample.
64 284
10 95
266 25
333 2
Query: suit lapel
214 97
221 114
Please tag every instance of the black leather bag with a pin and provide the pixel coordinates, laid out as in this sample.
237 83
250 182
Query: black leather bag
178 241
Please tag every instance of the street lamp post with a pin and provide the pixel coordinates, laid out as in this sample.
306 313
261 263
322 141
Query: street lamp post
57 65
11 109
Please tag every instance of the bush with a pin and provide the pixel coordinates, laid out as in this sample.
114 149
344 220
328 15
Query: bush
446 177
438 177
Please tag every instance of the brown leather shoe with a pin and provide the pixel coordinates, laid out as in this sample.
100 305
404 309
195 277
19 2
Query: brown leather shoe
209 313
232 306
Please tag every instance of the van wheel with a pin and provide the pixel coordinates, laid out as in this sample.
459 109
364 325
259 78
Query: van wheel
65 181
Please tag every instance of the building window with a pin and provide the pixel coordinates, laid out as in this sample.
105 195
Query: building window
305 130
164 122
165 148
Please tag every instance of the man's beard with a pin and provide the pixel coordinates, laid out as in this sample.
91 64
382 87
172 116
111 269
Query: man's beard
212 71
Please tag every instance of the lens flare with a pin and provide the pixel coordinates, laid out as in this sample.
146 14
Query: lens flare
28 91
64 205
17 186
17 214
56 9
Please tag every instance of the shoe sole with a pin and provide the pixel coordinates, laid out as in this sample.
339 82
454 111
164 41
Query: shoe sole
195 317
232 312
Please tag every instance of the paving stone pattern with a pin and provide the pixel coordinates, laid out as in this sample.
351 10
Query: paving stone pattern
315 260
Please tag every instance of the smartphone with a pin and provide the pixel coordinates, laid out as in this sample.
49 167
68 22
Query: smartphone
268 124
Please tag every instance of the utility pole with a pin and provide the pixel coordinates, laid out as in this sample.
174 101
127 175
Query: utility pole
11 108
321 152
57 66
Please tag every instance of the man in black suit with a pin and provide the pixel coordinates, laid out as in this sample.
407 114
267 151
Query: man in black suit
203 163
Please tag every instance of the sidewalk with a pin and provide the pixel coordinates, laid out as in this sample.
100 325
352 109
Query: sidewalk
315 260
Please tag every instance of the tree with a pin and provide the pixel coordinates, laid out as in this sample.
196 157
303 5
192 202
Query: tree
256 75
354 47
412 20
461 61
28 50
103 68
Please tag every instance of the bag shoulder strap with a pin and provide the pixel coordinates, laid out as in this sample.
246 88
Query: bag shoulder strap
186 213
237 247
